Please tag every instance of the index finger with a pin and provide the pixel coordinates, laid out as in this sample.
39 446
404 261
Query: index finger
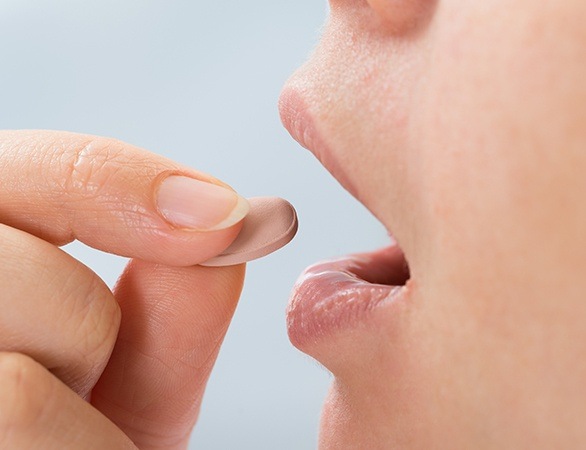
115 197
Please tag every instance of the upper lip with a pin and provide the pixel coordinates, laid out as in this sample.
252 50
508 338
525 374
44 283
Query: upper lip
296 118
302 126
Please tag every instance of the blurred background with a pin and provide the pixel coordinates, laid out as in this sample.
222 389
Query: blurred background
198 82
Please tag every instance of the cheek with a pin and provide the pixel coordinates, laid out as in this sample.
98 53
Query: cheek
495 114
504 162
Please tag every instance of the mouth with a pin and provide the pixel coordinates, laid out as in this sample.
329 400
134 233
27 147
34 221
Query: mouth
338 294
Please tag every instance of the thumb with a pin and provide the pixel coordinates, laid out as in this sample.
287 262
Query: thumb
115 197
173 322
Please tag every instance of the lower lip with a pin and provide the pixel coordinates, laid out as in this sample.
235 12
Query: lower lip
335 295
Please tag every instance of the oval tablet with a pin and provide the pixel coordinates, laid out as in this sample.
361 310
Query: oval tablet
270 224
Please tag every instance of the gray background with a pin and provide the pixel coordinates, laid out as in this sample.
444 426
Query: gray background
198 81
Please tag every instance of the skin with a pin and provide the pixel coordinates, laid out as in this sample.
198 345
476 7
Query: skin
462 126
459 124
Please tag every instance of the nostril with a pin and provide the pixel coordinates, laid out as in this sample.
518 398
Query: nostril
403 16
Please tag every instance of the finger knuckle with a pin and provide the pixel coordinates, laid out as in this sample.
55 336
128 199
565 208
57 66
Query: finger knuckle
90 165
23 392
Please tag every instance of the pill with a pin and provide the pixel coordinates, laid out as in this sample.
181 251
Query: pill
270 224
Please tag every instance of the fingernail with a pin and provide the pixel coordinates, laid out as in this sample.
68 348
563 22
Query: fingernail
198 205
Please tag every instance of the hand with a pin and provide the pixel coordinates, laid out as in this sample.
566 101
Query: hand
84 367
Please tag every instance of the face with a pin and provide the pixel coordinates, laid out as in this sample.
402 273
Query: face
462 127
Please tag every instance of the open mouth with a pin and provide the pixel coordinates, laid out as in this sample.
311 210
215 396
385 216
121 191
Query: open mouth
339 293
